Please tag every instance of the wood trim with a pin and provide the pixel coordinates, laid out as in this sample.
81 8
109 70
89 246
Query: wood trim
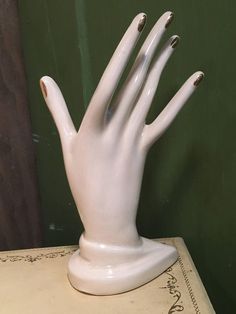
20 223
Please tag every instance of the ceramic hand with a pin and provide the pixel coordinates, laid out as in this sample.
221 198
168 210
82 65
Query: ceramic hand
104 160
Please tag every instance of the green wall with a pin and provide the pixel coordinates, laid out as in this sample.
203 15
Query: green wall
190 175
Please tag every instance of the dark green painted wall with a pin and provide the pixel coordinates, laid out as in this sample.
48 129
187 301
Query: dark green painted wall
190 175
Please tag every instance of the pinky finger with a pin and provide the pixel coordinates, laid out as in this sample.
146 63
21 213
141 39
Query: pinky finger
153 131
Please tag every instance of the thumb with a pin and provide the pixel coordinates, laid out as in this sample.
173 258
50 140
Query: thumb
57 106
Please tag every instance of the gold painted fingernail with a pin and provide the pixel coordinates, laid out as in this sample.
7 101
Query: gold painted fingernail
169 20
142 22
199 79
174 42
43 88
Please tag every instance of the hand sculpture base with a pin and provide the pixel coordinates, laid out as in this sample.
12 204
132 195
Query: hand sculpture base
105 269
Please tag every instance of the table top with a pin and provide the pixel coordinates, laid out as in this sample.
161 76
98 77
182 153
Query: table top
35 281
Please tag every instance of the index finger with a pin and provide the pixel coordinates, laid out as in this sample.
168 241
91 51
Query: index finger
114 69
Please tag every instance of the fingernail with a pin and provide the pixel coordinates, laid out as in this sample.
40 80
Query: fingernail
199 79
169 20
142 22
43 88
174 42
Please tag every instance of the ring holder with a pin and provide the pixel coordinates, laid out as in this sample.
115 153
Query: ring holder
104 163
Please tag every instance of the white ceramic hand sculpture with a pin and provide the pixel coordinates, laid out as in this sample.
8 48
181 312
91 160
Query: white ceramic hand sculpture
105 159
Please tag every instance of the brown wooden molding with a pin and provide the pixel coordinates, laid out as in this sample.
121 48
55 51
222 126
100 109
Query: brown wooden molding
20 223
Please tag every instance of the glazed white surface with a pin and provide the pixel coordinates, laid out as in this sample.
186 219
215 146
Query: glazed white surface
105 159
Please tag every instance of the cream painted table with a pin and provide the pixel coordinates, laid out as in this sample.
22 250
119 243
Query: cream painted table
35 281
